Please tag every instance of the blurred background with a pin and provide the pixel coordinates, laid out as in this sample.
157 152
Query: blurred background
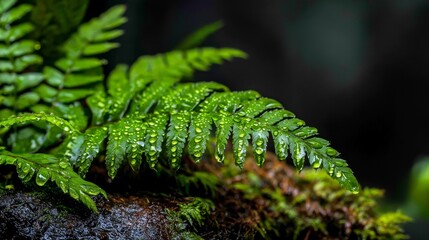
356 70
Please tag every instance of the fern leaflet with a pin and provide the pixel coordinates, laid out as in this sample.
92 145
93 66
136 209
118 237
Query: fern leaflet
47 167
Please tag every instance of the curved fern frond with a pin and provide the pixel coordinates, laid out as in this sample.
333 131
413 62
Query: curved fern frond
16 56
79 68
179 64
26 118
187 115
47 167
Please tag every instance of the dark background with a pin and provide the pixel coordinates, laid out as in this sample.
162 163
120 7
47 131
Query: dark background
356 70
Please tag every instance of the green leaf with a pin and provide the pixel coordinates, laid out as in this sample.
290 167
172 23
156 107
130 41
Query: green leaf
53 76
177 134
154 137
240 141
6 4
281 143
99 48
197 37
178 64
116 147
105 36
117 82
112 15
21 63
223 131
6 66
15 32
28 80
71 95
259 140
79 64
8 78
135 147
94 138
99 106
15 14
26 100
199 133
78 80
46 92
19 48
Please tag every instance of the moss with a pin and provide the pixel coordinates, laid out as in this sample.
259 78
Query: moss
277 202
188 216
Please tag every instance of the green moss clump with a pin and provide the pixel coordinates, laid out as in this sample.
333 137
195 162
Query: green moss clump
277 202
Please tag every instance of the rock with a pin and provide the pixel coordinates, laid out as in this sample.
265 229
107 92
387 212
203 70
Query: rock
28 215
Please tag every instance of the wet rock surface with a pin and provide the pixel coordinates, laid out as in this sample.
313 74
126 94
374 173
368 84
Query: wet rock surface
27 215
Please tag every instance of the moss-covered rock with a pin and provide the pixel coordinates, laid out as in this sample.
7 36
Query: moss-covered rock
210 201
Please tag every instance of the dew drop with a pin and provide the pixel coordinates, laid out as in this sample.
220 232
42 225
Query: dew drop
316 164
338 174
259 151
63 164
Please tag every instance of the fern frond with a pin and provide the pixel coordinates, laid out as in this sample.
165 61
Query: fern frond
195 211
186 114
79 68
177 134
90 148
47 167
16 56
149 79
181 116
250 116
26 118
179 64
